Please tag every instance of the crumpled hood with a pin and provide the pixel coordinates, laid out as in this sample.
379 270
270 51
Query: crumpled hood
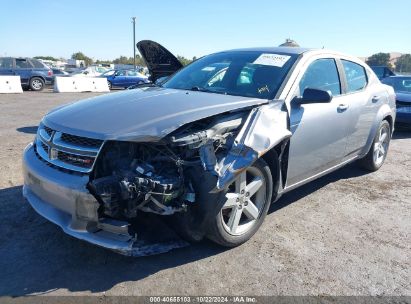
146 114
403 97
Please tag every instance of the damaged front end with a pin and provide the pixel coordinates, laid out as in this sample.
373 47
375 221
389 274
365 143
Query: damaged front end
167 177
153 177
124 195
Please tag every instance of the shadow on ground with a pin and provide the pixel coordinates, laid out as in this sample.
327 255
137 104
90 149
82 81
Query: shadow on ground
37 257
28 130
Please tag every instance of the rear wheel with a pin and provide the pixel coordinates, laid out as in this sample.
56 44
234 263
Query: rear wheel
245 206
379 148
109 84
36 84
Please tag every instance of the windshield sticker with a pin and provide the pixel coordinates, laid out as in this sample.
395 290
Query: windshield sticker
272 59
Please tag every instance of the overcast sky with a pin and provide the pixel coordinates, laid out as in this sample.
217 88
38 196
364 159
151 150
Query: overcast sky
103 29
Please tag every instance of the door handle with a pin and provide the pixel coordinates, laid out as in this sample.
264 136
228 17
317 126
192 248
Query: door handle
342 107
375 98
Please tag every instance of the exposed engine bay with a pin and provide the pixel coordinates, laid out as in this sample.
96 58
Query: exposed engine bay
152 177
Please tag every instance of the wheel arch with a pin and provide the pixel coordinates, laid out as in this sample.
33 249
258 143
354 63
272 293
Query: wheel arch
277 160
384 113
38 76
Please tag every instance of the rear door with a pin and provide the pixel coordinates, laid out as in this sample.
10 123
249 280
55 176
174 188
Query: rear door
133 77
362 101
160 62
319 130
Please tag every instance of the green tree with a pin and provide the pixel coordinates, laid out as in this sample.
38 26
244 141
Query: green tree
98 61
46 58
403 64
81 56
129 60
379 59
183 60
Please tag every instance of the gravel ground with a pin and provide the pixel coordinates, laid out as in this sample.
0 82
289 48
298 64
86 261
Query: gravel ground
345 234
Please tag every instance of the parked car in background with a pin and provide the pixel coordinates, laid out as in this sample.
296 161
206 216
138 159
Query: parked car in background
59 72
33 73
210 149
402 88
91 71
382 71
108 73
125 78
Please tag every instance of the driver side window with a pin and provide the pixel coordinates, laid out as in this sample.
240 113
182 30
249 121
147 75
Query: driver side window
321 74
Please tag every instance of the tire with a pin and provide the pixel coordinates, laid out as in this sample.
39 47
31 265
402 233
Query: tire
109 85
378 151
232 229
36 84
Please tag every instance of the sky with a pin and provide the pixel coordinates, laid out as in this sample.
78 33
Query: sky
103 29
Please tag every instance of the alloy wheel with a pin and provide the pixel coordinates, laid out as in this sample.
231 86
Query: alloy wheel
381 146
37 84
244 202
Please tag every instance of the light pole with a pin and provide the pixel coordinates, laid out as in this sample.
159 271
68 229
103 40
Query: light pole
134 41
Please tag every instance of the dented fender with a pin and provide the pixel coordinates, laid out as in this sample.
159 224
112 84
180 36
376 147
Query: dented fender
265 127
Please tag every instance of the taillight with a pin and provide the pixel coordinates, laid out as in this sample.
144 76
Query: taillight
50 73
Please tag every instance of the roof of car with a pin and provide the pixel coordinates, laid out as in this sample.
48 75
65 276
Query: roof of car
287 50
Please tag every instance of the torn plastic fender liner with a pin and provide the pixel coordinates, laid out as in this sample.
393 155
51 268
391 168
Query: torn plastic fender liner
265 127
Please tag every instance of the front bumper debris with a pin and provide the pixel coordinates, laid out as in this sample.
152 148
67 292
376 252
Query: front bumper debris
63 199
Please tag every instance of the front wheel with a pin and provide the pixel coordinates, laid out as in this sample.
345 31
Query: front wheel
379 148
245 206
109 85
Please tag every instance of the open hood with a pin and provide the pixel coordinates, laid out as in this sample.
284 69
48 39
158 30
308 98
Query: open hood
160 62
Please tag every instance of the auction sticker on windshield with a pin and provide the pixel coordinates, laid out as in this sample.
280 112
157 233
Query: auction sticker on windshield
272 59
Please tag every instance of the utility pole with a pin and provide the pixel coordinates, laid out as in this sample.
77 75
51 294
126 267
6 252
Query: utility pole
134 41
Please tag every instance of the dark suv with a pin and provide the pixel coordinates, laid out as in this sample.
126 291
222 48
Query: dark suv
33 73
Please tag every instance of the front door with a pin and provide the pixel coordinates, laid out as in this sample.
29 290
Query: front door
6 66
23 69
319 130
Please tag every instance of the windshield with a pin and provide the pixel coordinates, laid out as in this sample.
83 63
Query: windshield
242 73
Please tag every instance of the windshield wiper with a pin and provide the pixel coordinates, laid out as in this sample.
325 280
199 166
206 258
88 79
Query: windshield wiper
201 89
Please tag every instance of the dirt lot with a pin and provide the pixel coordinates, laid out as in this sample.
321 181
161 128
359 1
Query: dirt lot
345 234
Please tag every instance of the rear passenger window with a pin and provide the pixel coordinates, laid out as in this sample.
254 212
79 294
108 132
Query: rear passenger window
322 74
22 64
355 75
37 64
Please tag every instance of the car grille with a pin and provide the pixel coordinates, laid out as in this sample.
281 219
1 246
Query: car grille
67 151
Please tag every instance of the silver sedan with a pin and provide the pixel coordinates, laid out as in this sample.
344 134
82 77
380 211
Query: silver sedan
210 148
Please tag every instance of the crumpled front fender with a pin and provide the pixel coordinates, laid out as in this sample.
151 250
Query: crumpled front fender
265 127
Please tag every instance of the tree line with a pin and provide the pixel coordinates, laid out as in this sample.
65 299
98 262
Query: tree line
402 64
119 60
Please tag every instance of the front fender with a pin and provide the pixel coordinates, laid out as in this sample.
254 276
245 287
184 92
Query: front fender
384 112
265 128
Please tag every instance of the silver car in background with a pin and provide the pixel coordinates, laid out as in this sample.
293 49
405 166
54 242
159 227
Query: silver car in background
210 149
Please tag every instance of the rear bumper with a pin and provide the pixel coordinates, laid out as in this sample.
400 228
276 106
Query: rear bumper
63 199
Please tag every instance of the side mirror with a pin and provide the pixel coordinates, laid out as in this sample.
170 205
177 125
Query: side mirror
315 96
